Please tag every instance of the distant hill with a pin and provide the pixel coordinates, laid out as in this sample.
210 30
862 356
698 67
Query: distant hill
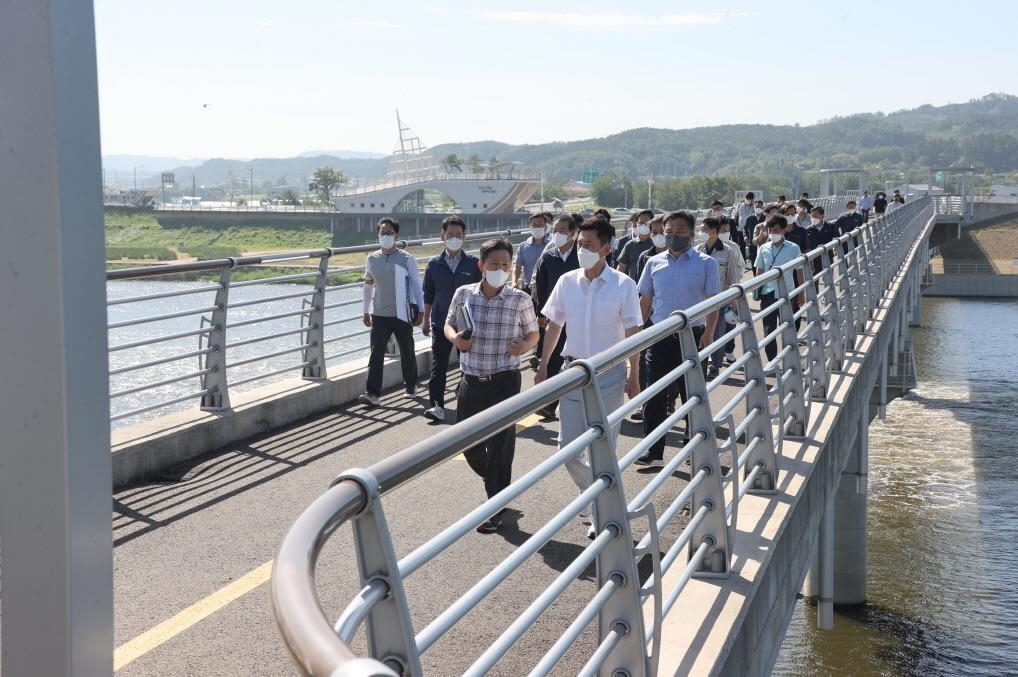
982 132
344 154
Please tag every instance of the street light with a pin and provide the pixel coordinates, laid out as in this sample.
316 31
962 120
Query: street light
136 168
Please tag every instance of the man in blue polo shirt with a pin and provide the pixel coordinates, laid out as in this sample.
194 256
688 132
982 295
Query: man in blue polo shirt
446 272
774 253
677 279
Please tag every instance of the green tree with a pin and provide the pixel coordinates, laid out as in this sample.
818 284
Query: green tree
289 197
475 163
452 163
611 191
324 180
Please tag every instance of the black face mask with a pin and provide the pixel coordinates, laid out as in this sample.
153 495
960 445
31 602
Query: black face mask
678 243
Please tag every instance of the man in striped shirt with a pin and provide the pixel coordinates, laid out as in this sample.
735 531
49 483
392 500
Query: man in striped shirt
504 326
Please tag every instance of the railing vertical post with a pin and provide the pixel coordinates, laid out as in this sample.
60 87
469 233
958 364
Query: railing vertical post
856 291
760 428
215 381
390 632
790 362
616 561
835 325
314 337
845 294
815 338
715 529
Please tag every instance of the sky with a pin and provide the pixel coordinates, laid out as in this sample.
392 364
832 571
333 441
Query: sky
200 79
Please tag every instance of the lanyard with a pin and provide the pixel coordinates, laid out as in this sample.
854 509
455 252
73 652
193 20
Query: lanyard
774 259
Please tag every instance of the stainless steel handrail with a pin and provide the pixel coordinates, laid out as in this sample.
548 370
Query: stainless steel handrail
872 258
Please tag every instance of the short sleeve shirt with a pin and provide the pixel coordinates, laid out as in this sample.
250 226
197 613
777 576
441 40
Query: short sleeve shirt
595 313
770 256
679 282
506 316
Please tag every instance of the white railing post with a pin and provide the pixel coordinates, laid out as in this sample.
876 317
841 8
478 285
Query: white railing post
816 361
714 530
314 337
835 328
389 630
796 406
624 609
215 381
760 427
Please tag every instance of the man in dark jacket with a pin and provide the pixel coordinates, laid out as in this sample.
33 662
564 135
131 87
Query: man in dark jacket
555 262
820 233
444 273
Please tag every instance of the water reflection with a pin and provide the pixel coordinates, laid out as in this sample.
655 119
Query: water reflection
943 514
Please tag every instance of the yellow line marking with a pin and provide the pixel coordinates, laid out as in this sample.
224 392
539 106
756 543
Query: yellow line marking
168 629
203 608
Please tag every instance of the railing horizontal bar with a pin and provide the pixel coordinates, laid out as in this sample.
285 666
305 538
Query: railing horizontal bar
771 365
332 339
745 423
160 339
275 372
273 280
155 363
687 574
676 505
270 299
268 337
648 393
659 432
604 649
458 609
352 318
164 403
285 351
358 609
666 472
351 351
747 483
160 318
512 634
438 543
735 401
682 541
266 318
158 384
341 304
729 371
575 629
162 295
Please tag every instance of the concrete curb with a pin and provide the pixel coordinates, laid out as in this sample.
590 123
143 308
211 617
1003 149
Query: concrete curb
145 451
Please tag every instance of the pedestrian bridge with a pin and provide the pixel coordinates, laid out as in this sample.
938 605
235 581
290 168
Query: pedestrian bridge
694 568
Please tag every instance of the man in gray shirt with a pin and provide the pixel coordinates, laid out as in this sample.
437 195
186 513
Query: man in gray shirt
393 304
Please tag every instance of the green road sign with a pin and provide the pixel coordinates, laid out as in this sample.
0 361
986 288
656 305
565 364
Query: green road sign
590 176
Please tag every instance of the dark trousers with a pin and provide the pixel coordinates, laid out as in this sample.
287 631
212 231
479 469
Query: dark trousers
663 357
770 323
555 363
492 459
441 349
381 329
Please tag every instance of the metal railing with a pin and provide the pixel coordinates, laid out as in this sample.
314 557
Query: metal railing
824 300
248 208
224 334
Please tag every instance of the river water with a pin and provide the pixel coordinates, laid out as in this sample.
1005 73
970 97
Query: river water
943 514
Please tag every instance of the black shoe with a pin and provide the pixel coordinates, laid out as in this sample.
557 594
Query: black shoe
547 413
712 373
491 525
637 415
650 459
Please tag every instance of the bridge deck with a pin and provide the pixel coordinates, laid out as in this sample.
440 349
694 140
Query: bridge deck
193 552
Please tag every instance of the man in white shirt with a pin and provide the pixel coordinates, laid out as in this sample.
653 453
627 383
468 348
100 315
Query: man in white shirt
601 308
716 242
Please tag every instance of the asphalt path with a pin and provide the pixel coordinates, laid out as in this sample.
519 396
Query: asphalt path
215 523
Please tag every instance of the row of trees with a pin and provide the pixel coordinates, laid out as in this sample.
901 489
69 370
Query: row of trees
454 163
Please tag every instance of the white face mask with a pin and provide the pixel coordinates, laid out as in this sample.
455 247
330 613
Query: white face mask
642 229
749 202
453 244
496 278
561 239
538 233
775 237
725 237
587 258
758 211
386 241
658 240
700 238
815 221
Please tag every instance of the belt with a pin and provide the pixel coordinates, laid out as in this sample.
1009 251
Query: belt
490 377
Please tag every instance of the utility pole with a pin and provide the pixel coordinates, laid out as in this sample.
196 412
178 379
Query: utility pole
542 192
136 168
650 192
251 187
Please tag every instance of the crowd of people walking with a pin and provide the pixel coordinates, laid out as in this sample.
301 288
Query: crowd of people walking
572 289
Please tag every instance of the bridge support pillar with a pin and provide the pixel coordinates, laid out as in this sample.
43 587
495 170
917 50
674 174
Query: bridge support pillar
850 522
